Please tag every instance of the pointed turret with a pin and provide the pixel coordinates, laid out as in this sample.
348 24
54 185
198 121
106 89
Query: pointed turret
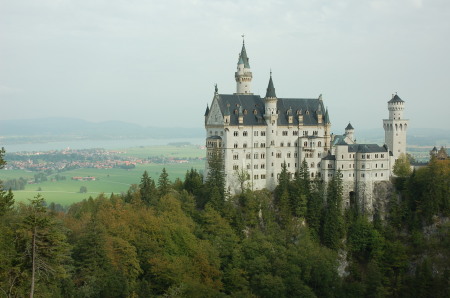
207 110
243 59
243 75
270 89
327 118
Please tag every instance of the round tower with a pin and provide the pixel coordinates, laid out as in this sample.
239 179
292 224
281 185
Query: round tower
271 117
349 132
243 75
395 127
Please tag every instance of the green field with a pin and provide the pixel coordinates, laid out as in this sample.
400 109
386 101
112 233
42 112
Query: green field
108 181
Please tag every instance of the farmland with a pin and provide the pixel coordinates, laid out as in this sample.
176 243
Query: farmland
109 180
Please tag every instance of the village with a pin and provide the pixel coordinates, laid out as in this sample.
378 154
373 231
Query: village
69 159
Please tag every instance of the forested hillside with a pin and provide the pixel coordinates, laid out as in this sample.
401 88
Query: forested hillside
191 239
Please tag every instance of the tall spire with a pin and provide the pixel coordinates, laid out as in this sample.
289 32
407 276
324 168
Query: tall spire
243 75
270 88
243 58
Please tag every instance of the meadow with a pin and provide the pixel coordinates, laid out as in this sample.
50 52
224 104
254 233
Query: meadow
115 180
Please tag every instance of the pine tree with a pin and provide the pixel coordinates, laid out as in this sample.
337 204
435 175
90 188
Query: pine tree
215 180
147 190
164 184
333 225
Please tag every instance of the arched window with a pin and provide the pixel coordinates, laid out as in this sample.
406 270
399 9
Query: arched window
319 144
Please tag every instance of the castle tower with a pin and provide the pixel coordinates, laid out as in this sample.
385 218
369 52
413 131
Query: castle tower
243 75
271 117
349 133
395 127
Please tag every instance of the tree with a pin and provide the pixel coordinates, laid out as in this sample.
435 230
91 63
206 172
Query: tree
333 224
147 189
43 244
242 176
301 191
164 183
6 198
215 180
83 189
402 167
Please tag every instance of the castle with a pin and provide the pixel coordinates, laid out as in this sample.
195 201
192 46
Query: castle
258 134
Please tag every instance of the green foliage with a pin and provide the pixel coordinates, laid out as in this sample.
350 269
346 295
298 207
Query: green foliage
333 221
215 181
147 189
402 167
164 184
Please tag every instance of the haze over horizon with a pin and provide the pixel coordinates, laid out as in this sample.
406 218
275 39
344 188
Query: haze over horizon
155 63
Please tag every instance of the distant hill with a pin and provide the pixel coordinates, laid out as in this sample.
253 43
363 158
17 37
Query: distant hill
51 129
62 128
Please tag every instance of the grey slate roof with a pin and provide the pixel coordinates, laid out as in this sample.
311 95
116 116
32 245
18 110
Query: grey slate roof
270 89
243 57
253 109
396 98
207 110
329 157
349 126
249 104
366 148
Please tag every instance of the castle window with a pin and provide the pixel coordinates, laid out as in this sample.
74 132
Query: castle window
376 166
295 154
263 166
255 112
289 155
349 166
255 167
248 166
376 175
255 133
319 144
342 166
263 176
245 145
235 156
312 165
235 145
318 155
282 144
312 175
342 156
245 133
263 155
295 165
330 166
272 143
236 112
255 156
255 177
381 165
236 133
248 156
363 156
295 144
363 166
235 167
278 155
318 164
289 165
382 155
245 111
381 174
285 133
255 145
368 156
362 175
263 133
263 145
305 144
295 133
349 156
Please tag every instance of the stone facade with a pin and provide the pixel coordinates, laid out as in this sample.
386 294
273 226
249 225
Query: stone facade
258 134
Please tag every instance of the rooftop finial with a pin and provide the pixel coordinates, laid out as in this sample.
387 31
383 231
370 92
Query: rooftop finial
243 41
271 72
215 88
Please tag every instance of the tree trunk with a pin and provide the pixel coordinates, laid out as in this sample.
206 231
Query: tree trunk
33 261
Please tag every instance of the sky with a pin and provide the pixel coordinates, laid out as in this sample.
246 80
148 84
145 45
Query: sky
155 63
